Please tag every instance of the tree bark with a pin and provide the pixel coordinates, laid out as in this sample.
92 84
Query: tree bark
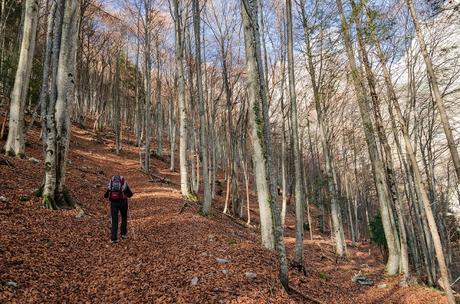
271 230
383 192
417 174
15 142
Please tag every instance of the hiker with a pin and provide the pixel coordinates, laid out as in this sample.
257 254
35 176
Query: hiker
118 193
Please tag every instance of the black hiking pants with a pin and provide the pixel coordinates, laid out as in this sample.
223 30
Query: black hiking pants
119 206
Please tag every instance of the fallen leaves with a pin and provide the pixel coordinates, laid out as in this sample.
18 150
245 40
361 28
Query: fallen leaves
172 255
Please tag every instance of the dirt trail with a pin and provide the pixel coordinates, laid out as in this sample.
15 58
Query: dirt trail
60 257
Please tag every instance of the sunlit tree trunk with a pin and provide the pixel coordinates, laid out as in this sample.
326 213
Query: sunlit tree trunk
436 92
147 85
299 196
383 192
184 182
15 142
335 208
203 130
417 174
270 219
61 98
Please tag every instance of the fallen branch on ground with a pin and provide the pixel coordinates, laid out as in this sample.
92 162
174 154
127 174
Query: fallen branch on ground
238 221
157 179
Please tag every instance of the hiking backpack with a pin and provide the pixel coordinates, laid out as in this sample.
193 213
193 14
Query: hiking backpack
117 185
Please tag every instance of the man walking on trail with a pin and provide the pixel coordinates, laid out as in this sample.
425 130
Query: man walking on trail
118 193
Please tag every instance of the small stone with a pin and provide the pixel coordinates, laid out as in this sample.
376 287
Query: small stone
225 271
80 214
194 281
11 283
250 275
34 160
3 199
382 286
222 261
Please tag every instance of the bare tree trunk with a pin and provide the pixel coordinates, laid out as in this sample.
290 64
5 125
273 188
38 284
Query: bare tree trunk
299 196
172 125
185 187
436 92
147 85
383 192
159 111
335 208
417 174
270 218
62 95
205 209
117 105
15 142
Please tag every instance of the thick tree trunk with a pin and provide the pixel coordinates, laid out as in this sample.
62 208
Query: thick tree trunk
15 142
61 98
184 182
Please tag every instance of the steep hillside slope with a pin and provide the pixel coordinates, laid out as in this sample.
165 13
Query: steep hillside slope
173 254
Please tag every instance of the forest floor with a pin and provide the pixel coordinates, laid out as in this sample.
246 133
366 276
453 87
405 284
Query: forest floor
65 256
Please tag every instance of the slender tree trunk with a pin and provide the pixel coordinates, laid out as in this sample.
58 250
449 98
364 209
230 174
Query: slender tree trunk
205 209
147 86
436 92
270 218
335 208
299 196
383 192
417 174
159 111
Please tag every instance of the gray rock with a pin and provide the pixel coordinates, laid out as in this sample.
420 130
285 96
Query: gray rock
194 281
362 280
225 271
34 160
3 199
250 275
222 261
11 283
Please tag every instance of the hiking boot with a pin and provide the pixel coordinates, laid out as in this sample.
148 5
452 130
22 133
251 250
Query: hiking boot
114 241
124 237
